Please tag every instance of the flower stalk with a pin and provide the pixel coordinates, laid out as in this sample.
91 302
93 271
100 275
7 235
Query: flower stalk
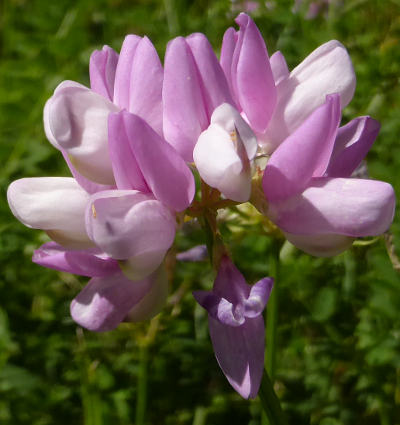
270 403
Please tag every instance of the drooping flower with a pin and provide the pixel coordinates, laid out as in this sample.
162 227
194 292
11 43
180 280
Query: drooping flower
236 326
307 184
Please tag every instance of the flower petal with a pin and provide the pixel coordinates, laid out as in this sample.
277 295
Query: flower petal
126 224
224 152
321 245
105 301
153 302
141 265
124 70
164 171
185 116
279 67
240 353
253 82
351 207
197 253
325 71
214 85
227 49
54 204
78 124
220 166
304 154
258 298
86 184
90 262
145 89
126 170
102 66
230 283
220 309
352 144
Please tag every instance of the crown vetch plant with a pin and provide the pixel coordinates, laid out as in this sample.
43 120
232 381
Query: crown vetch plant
254 131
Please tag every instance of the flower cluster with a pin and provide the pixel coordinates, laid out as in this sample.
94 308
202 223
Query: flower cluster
254 131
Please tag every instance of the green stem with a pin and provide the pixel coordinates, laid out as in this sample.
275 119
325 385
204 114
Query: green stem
272 312
172 16
141 399
272 323
270 402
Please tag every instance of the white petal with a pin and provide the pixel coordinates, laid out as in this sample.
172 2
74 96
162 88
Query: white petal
54 204
224 152
230 120
325 71
220 166
76 120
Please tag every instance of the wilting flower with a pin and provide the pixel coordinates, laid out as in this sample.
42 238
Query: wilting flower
307 184
237 326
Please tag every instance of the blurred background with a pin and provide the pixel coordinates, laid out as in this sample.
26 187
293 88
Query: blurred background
339 318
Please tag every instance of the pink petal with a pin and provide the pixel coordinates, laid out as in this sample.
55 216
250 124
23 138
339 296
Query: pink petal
279 67
240 353
124 70
126 224
352 144
126 170
214 85
164 171
253 82
105 301
89 262
185 116
145 89
351 207
227 49
102 66
304 154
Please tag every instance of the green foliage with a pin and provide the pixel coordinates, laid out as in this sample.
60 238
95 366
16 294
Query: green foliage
339 320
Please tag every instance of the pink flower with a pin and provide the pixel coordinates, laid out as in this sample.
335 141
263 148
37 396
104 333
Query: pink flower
307 184
115 220
76 118
275 101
